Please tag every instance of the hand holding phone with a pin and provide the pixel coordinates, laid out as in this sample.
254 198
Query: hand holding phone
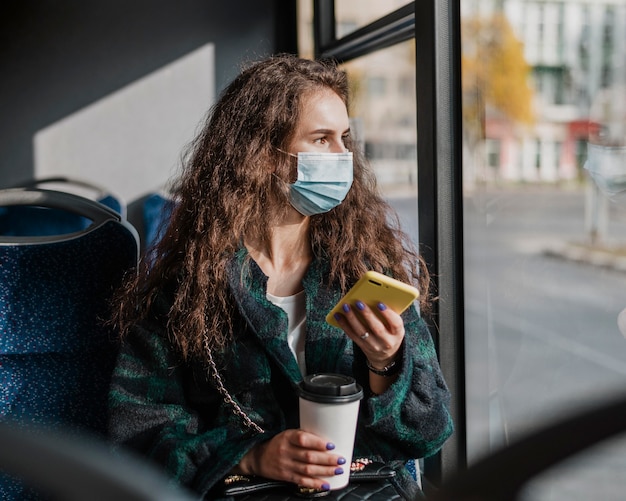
373 288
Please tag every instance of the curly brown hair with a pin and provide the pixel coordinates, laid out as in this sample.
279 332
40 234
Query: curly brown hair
232 177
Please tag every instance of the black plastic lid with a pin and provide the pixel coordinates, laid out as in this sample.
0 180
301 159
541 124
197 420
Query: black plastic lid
329 388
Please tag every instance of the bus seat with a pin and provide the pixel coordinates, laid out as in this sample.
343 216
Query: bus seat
68 467
42 221
56 353
82 187
157 211
150 214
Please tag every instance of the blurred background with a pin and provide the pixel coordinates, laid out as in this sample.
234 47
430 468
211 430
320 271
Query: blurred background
113 91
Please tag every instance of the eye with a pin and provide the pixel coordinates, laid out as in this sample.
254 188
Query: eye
321 140
345 137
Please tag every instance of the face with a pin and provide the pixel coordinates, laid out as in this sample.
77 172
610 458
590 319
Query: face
324 124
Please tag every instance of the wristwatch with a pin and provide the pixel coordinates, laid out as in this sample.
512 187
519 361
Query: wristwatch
389 370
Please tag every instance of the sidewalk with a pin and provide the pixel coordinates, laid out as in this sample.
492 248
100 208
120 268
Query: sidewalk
613 257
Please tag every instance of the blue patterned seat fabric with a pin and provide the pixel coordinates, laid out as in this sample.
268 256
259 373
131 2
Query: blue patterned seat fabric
56 353
157 210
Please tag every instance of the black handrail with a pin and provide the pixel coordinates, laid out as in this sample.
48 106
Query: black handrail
502 475
52 199
33 197
38 183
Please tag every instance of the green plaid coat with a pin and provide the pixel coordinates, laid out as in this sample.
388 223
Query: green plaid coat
171 413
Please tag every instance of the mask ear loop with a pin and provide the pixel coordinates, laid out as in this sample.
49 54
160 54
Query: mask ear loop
286 152
291 155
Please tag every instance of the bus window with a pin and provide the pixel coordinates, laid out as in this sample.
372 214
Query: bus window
544 155
354 14
383 115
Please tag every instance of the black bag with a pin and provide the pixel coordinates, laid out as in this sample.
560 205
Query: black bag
372 483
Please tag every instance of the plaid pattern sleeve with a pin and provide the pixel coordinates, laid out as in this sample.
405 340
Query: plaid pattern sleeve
150 413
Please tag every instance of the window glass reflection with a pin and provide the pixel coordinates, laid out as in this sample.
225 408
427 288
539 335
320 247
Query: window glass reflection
544 178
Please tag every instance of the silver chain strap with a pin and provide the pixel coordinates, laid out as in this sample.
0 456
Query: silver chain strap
213 371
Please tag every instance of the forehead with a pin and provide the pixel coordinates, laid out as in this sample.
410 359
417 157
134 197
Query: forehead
321 97
323 108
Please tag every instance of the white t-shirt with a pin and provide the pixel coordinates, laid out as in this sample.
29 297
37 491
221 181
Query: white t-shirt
295 308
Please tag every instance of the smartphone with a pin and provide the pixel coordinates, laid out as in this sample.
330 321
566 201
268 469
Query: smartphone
373 288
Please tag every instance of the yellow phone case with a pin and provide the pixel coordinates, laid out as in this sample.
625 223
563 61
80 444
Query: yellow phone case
373 288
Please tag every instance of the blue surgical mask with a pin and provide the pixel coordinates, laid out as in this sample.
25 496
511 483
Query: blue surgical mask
324 180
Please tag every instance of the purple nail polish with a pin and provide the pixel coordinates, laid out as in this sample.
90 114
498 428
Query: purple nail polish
325 487
337 316
381 307
341 461
338 471
360 305
330 446
346 308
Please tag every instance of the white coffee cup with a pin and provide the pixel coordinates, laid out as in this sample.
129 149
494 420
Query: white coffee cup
329 408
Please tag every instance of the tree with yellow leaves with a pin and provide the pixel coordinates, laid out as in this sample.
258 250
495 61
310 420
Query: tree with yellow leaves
495 76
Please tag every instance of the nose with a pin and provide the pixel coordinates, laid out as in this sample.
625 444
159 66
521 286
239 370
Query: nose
339 147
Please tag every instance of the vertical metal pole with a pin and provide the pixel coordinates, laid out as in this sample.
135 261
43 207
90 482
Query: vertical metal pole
286 29
323 24
440 202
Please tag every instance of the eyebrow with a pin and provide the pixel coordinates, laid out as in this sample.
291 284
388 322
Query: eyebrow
328 131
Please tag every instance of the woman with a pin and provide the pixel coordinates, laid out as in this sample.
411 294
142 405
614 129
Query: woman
274 221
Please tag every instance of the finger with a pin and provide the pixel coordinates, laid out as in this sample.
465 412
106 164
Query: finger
321 463
352 324
310 472
381 320
306 440
387 329
318 484
311 477
312 449
367 335
378 341
393 321
345 324
281 458
372 321
311 459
